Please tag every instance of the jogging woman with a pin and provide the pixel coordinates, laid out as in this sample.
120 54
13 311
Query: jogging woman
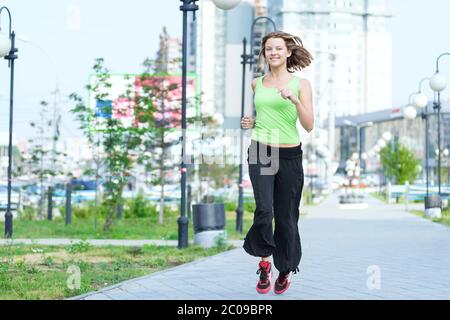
275 158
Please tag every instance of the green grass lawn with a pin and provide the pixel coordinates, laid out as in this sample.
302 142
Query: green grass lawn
41 272
136 228
445 219
401 200
379 196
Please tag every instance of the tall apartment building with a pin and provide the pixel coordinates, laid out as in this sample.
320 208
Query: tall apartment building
260 7
169 53
215 48
352 46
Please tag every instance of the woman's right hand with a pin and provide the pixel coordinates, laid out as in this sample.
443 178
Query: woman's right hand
247 122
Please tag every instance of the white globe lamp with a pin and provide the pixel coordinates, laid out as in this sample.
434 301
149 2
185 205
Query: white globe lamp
226 4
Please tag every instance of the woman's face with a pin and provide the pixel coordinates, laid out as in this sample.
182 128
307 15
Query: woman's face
276 52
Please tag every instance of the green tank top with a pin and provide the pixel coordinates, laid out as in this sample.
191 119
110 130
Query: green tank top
276 118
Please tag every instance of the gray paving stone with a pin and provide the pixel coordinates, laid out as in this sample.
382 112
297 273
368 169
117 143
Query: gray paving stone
338 247
97 296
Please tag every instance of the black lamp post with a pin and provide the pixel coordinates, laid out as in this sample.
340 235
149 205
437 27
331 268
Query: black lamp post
438 83
397 174
421 101
246 59
10 56
183 221
252 35
252 42
446 154
186 7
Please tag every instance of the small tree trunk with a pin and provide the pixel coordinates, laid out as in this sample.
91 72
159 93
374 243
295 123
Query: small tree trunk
161 199
161 206
42 201
97 196
109 217
112 208
161 176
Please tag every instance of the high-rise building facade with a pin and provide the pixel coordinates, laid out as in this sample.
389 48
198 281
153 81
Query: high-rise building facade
215 48
169 54
352 46
207 55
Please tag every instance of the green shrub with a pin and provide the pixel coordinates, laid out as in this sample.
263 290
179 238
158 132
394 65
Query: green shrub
139 207
231 206
221 240
78 247
169 211
249 206
81 212
27 213
49 262
87 210
62 209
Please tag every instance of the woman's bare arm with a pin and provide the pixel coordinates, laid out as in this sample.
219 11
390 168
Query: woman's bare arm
248 122
305 106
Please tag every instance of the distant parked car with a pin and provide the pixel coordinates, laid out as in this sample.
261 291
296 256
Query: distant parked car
15 197
372 180
83 190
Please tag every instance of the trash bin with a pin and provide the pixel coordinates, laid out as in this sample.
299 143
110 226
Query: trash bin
433 205
209 222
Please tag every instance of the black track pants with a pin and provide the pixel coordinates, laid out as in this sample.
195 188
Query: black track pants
277 179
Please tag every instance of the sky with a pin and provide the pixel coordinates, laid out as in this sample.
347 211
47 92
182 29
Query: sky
60 39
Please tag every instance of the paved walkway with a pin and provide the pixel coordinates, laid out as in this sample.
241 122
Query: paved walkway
377 253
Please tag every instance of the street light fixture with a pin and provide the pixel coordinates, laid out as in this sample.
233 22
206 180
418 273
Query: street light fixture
246 59
186 7
410 113
387 136
420 100
445 152
252 36
382 143
8 51
438 83
226 4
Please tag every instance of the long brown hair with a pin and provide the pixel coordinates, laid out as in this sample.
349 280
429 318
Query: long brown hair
300 57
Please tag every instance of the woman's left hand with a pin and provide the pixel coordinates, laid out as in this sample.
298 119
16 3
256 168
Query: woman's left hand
287 94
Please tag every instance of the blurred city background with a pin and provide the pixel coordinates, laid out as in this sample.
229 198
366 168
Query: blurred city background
376 110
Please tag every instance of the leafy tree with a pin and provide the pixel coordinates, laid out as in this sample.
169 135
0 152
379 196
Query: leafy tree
408 165
41 160
156 106
161 93
116 140
87 124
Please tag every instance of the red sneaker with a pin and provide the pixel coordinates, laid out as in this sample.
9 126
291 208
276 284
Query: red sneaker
265 275
283 282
